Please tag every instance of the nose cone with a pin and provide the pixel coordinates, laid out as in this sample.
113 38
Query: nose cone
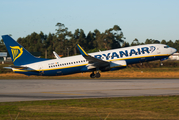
174 50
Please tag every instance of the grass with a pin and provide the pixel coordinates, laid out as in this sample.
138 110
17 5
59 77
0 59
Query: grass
151 107
128 73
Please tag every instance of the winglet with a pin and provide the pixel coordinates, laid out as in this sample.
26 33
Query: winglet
81 50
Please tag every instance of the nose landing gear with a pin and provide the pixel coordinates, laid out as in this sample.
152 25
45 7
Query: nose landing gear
93 75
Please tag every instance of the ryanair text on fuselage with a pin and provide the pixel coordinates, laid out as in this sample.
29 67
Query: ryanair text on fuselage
126 53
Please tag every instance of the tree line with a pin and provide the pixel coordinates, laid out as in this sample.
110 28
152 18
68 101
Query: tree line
63 42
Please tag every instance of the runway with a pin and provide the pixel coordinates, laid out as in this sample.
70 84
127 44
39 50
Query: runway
30 90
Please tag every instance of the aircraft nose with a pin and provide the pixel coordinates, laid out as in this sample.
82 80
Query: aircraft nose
174 50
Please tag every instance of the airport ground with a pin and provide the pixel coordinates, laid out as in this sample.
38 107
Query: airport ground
122 108
129 73
138 92
89 99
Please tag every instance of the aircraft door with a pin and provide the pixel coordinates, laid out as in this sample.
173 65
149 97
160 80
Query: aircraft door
158 50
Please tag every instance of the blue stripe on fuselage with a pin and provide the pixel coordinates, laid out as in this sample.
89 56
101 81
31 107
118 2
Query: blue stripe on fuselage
54 72
83 68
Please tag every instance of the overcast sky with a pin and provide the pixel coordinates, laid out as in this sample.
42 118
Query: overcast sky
141 19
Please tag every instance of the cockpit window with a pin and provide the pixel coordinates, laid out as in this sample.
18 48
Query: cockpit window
166 46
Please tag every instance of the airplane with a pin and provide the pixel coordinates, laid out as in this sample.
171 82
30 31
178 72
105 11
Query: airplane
108 60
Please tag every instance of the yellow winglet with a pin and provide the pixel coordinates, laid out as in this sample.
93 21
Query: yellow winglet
81 50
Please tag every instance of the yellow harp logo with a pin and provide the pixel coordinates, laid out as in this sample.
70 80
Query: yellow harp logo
16 52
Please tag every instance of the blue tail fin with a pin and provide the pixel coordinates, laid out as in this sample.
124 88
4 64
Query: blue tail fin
19 55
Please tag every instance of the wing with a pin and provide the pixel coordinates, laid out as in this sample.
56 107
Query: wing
93 62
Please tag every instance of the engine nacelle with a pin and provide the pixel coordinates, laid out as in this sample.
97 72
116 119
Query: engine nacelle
115 65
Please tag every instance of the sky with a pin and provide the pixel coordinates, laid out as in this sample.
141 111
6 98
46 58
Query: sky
141 19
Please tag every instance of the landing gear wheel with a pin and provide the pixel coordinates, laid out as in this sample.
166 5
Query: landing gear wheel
92 75
97 75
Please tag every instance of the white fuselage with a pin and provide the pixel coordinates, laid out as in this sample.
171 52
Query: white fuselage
75 64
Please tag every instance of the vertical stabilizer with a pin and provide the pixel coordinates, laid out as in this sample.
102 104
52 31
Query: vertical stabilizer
19 55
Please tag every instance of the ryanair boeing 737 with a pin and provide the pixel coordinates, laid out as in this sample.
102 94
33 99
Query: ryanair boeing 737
108 60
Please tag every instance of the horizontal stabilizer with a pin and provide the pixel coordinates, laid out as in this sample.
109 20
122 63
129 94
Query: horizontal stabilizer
16 67
7 67
56 55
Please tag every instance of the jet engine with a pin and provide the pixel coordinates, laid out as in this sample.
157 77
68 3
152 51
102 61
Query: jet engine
115 65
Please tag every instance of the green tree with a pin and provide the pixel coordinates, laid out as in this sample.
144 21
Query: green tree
2 46
176 44
151 41
90 39
64 42
118 36
156 41
148 41
97 36
61 29
135 42
163 42
125 44
170 43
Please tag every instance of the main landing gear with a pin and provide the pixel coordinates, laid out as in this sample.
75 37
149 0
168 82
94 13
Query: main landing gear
97 75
